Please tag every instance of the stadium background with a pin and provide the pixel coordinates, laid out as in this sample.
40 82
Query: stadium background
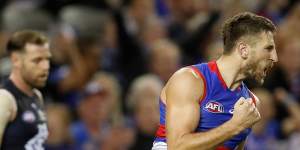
111 58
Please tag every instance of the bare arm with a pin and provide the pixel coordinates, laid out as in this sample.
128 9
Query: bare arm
182 95
7 111
78 74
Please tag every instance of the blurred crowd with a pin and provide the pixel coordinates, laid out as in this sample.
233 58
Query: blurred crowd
112 57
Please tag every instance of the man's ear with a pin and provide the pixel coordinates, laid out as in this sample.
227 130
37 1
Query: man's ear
15 59
243 50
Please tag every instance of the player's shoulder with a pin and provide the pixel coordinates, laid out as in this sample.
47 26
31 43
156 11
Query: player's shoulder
5 95
189 72
186 78
8 102
185 85
186 74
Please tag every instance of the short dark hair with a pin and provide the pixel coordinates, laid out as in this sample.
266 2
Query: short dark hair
243 24
19 39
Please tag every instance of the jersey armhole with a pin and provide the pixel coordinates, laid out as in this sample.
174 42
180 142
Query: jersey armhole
199 74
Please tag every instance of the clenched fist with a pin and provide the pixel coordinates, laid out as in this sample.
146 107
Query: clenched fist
245 113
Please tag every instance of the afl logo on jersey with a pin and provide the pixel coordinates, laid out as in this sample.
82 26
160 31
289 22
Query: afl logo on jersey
214 107
28 116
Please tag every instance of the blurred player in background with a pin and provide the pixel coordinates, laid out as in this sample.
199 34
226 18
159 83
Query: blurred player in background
207 106
22 117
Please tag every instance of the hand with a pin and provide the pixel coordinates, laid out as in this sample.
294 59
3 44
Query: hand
245 113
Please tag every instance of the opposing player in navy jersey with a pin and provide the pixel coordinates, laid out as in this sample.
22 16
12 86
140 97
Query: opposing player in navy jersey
22 118
207 106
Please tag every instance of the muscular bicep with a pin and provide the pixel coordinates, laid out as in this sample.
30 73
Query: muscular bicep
182 96
6 112
181 120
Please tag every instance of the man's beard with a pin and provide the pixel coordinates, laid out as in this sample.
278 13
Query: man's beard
257 72
260 80
252 72
33 83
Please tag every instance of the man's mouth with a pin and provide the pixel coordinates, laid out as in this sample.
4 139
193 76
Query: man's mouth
44 76
268 69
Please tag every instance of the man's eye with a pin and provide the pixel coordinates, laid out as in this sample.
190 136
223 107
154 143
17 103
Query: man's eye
36 60
269 48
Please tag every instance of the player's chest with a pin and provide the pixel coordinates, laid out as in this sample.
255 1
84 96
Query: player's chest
31 112
220 104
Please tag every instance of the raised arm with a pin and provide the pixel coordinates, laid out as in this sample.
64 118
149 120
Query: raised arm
183 92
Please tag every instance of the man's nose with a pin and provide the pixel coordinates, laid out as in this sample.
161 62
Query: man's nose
274 56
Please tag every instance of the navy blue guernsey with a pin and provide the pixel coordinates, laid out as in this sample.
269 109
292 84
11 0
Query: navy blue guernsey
28 131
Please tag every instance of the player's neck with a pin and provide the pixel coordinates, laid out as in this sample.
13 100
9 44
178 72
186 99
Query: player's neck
20 83
230 70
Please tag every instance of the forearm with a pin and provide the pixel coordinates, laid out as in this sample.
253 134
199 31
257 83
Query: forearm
207 140
74 80
71 84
